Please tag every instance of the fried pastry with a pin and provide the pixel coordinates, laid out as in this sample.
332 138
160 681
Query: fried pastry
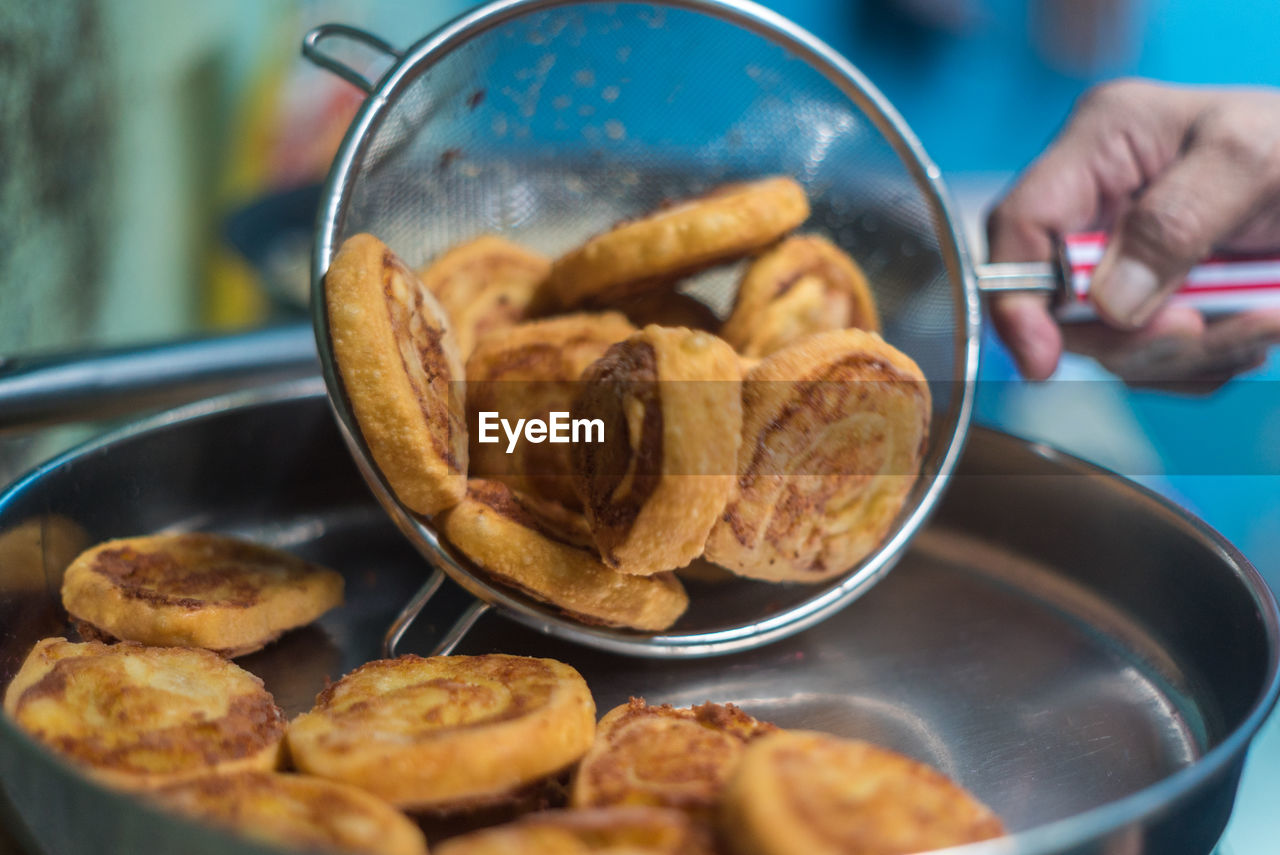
139 717
603 831
296 811
528 372
444 731
401 370
803 793
485 285
665 757
551 559
804 285
645 254
195 590
670 402
834 430
668 308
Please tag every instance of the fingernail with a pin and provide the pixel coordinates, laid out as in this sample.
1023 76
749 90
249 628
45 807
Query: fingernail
1126 290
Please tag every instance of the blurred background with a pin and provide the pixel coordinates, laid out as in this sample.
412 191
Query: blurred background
160 164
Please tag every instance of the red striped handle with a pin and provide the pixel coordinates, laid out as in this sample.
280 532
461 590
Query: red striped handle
1218 285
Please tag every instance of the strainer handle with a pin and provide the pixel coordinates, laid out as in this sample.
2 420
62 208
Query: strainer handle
312 50
1217 285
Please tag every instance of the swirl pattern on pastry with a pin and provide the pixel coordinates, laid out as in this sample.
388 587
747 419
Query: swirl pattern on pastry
485 285
804 285
834 431
664 757
424 733
670 402
528 372
551 558
602 831
803 793
196 590
402 372
296 811
644 254
668 308
139 717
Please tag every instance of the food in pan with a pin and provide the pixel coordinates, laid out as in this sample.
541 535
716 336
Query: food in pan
804 285
664 756
834 429
485 284
296 811
551 558
528 372
402 371
645 254
433 733
804 793
139 717
195 590
670 403
606 831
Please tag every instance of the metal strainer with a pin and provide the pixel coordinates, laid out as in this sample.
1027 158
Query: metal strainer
547 120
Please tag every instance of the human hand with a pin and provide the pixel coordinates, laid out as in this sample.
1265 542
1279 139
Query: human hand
1174 173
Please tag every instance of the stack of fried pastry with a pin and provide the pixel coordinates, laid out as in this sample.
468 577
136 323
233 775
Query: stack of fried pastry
780 445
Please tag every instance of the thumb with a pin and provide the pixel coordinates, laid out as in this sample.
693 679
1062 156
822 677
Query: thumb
1197 201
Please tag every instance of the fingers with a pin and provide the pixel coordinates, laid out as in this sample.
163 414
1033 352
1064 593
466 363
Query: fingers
1025 325
1227 172
1178 350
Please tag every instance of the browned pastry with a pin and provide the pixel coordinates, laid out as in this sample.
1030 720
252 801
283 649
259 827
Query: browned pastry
665 757
401 370
668 308
603 831
296 811
804 285
551 559
670 403
139 717
195 590
645 254
429 733
528 372
802 793
834 430
485 285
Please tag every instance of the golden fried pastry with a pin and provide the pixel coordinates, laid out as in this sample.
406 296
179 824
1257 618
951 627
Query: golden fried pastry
665 757
604 831
485 285
834 430
401 370
668 308
804 285
195 590
528 372
645 254
296 811
670 402
447 730
138 717
551 559
803 793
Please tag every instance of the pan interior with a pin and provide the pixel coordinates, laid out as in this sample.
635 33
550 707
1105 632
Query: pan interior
992 653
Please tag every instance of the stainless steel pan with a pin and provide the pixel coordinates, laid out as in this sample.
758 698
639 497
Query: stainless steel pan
1088 659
